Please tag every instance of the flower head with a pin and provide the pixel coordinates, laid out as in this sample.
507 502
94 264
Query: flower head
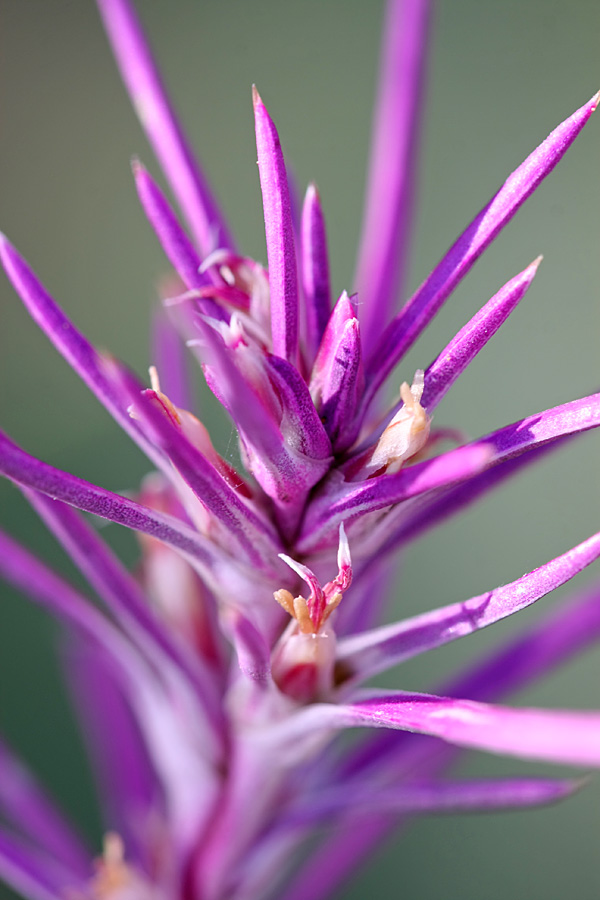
227 664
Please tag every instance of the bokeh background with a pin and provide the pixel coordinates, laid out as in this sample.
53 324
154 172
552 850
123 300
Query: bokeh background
501 76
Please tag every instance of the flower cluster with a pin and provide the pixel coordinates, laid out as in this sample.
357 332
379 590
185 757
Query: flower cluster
220 673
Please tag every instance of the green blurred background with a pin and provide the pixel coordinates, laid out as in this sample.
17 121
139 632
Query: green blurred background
502 75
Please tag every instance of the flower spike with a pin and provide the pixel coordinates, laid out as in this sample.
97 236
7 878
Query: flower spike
210 686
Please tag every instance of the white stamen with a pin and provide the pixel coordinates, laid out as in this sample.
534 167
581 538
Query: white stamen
418 385
181 298
304 572
154 381
213 259
227 275
343 557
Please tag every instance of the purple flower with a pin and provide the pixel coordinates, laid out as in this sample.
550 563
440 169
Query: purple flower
215 680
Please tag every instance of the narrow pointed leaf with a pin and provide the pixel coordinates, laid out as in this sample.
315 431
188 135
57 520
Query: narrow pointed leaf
562 736
30 576
366 654
284 474
37 475
169 357
122 595
404 329
70 343
279 232
471 339
356 499
345 388
511 448
520 661
33 874
24 803
386 230
302 426
178 248
252 651
449 503
128 788
315 270
417 798
162 128
337 378
538 430
251 532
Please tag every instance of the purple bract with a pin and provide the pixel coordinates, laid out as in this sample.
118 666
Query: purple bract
224 668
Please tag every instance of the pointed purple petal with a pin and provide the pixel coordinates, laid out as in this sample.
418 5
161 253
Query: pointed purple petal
169 357
125 600
252 651
25 804
404 329
366 654
511 448
315 270
284 474
411 526
353 500
392 176
71 344
178 248
535 431
164 132
29 472
33 874
414 798
337 379
302 428
27 574
345 388
562 736
250 531
279 231
569 631
463 348
128 788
